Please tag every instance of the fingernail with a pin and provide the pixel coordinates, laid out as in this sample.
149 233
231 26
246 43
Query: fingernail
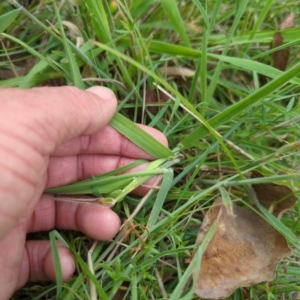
103 92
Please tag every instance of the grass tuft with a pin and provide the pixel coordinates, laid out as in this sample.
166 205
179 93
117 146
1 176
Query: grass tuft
223 120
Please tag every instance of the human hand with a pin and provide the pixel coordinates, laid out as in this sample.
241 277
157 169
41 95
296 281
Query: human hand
50 137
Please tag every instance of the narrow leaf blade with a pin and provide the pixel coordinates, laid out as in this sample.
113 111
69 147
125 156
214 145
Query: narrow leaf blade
138 136
8 18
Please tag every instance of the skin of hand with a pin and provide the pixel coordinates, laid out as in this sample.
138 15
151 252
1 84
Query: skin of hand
52 136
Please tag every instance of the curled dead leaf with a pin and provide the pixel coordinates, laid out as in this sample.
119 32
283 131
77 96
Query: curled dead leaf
245 249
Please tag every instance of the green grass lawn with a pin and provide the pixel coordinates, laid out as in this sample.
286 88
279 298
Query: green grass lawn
205 74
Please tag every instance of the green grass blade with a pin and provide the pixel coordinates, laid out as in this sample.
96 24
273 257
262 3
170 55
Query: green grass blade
167 48
150 261
185 102
215 12
27 81
241 7
242 105
91 277
140 137
272 50
259 21
52 33
171 9
99 17
124 44
278 225
160 198
199 76
203 12
7 19
60 238
176 295
57 265
99 22
264 37
203 68
106 184
202 65
33 52
76 76
254 66
134 289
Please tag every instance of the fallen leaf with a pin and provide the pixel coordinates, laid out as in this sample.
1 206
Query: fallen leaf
274 197
155 97
280 57
245 249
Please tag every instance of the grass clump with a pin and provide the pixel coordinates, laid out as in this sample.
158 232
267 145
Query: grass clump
192 69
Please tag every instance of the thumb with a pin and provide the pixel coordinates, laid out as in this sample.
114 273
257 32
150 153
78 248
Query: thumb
75 112
48 116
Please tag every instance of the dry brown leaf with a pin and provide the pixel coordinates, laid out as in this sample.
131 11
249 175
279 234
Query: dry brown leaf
245 249
281 57
177 71
274 197
155 97
288 22
120 294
